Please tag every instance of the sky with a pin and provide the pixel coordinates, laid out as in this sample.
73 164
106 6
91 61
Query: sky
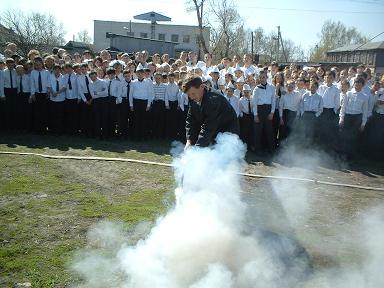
300 21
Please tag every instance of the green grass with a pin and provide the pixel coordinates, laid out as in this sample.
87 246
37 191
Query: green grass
47 207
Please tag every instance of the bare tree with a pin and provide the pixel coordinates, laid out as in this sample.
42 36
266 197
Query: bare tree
83 36
198 7
334 35
227 27
33 30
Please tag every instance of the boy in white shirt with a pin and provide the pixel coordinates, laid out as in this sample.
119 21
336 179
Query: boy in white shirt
57 99
246 117
171 102
289 109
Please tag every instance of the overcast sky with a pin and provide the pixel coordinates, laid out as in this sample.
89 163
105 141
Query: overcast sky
300 21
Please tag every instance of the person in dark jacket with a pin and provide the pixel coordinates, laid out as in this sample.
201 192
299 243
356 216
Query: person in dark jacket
209 113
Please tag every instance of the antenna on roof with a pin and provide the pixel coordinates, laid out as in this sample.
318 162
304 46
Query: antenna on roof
154 18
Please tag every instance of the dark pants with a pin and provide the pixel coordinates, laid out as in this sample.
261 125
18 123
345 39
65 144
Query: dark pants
12 109
111 116
56 117
25 108
289 118
246 128
158 119
40 113
350 134
308 124
140 119
71 116
100 111
328 128
263 132
373 141
86 119
181 123
171 122
276 127
123 117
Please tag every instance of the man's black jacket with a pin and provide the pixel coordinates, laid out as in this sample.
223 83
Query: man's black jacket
214 115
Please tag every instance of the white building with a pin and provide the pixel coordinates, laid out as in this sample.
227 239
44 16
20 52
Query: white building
186 36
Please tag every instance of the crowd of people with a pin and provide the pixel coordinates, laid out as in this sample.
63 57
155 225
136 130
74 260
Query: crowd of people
140 97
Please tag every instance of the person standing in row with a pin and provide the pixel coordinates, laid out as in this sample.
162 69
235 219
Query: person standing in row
158 107
99 93
40 83
263 107
58 86
114 99
24 92
311 107
328 128
171 102
10 93
123 108
71 100
353 117
86 113
289 110
140 98
246 116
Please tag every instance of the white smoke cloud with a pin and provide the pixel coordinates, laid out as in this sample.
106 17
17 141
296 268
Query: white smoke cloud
205 240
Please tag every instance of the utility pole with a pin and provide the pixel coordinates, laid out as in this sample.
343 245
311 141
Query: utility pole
280 40
278 44
252 44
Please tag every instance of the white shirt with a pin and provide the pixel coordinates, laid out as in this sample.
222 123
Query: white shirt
7 78
355 103
379 95
183 100
263 96
311 103
171 92
45 81
252 69
71 81
331 96
26 83
124 88
245 106
234 101
82 86
289 101
142 90
99 89
53 84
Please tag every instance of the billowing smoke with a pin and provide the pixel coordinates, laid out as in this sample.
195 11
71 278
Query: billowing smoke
205 240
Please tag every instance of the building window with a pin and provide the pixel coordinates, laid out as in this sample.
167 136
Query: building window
197 39
131 34
186 38
144 35
370 58
175 38
161 37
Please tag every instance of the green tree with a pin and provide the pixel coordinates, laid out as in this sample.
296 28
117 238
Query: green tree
334 35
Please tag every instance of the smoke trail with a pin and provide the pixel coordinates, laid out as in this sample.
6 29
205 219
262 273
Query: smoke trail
203 241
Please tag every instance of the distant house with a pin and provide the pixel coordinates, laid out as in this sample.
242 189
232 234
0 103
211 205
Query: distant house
370 54
75 46
132 44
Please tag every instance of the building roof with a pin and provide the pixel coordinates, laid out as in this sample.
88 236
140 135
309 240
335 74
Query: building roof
76 44
366 46
113 35
152 16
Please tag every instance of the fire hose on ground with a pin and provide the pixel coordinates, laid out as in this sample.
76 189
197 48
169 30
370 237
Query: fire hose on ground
249 175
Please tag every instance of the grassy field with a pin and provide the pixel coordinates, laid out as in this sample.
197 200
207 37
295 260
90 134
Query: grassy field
47 206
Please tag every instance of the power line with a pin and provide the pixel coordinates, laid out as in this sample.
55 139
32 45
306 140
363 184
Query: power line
368 41
313 10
